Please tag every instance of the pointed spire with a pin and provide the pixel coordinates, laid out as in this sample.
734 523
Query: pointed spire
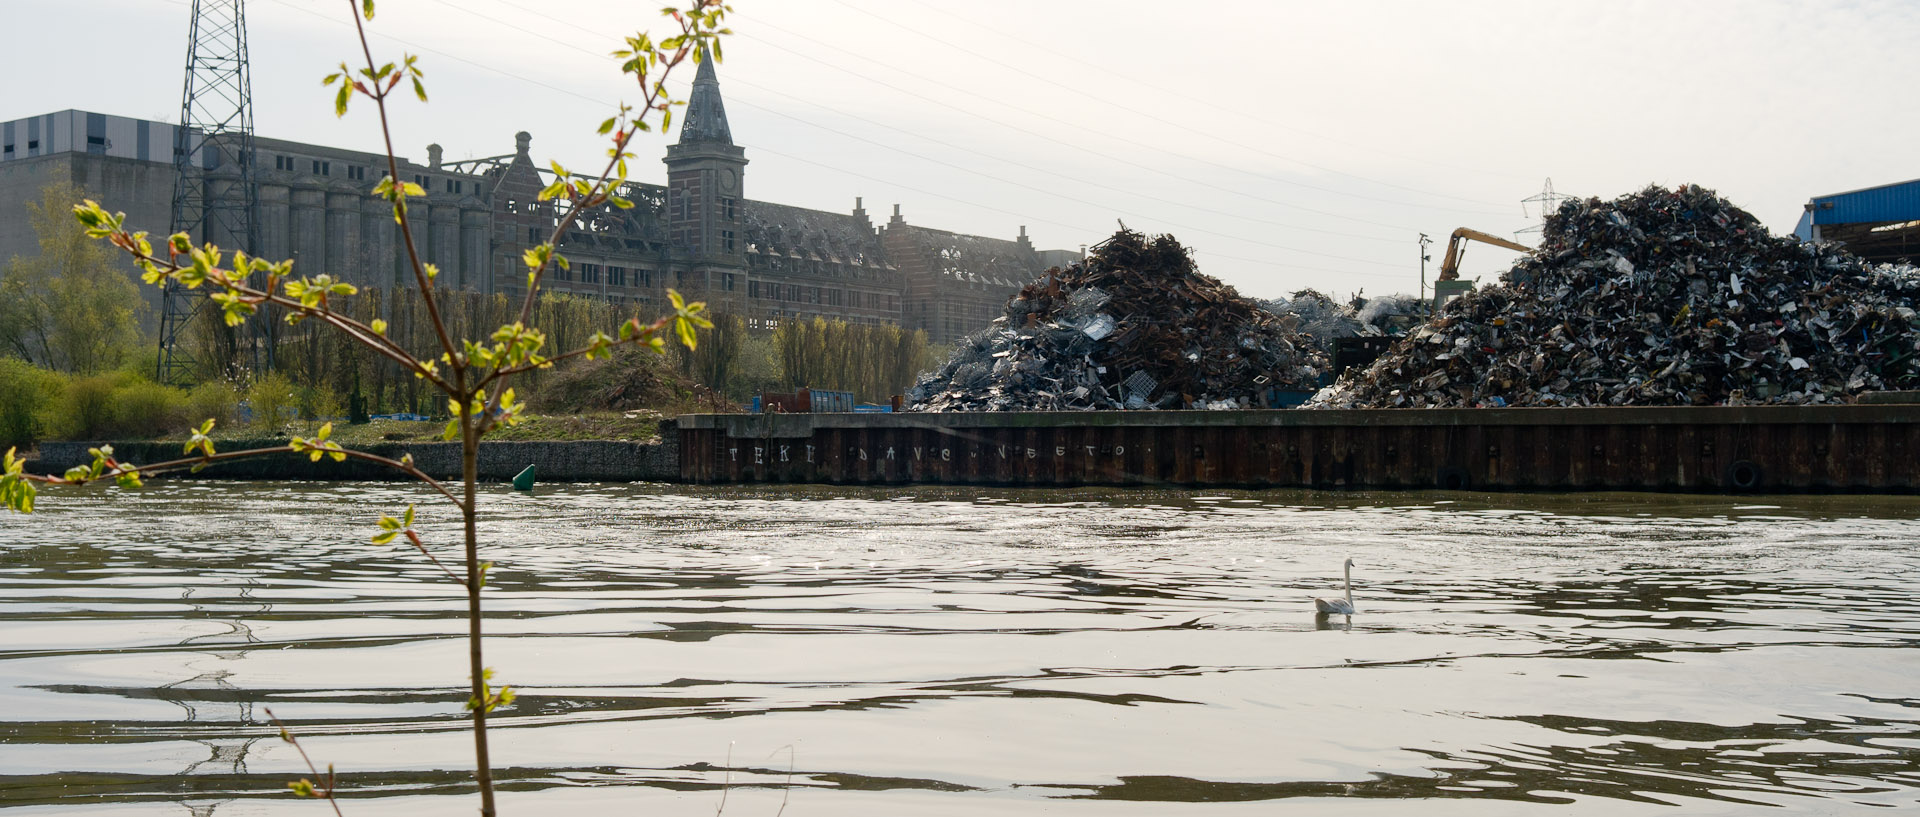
706 116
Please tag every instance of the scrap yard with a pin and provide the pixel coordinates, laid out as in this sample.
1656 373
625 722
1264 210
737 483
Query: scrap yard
1663 340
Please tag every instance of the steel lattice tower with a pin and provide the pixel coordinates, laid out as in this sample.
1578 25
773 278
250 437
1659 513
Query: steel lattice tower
215 196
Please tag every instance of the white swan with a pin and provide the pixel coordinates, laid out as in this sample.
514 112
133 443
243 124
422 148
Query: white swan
1342 606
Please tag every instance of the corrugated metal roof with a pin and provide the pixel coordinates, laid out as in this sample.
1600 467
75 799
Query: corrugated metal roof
1891 202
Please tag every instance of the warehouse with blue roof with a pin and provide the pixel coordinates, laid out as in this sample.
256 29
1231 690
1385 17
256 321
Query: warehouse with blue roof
1876 223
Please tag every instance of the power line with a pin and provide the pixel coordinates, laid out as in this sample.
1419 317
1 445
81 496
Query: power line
1109 157
1028 217
1001 104
941 162
736 81
1042 48
1081 93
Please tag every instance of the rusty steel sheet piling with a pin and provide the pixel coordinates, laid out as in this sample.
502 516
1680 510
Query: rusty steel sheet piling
1753 449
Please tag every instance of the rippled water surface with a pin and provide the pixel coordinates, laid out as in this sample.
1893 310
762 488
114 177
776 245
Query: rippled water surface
837 651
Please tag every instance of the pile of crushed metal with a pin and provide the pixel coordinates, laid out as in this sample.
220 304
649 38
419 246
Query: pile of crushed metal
1134 327
1663 297
1327 320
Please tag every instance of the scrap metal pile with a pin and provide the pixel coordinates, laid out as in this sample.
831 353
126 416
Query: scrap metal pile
1327 320
1662 297
1134 327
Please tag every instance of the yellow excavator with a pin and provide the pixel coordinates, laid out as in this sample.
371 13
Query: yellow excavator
1449 285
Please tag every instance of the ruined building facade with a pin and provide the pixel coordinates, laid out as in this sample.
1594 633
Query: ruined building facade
698 233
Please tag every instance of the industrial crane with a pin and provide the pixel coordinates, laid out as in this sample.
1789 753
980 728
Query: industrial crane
1449 285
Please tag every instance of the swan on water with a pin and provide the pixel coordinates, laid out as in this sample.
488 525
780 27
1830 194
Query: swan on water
1342 606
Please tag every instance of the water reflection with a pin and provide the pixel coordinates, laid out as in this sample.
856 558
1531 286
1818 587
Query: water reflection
1007 649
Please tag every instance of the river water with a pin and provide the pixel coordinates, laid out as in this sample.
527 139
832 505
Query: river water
936 651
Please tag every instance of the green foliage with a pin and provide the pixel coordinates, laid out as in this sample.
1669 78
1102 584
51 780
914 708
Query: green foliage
16 493
319 402
122 406
28 395
215 400
715 361
142 409
73 307
273 398
873 362
86 409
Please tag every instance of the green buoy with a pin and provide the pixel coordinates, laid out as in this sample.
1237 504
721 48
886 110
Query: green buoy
523 481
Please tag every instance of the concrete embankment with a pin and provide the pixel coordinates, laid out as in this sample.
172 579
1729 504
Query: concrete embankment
576 461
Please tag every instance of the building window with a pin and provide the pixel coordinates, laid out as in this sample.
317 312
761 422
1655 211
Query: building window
617 276
356 172
533 235
421 180
726 282
33 144
643 278
454 186
728 204
589 273
321 168
560 273
726 239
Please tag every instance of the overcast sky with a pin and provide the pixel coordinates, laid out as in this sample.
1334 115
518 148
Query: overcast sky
1290 144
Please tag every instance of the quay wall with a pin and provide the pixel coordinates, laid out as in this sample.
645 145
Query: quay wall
1856 448
1761 449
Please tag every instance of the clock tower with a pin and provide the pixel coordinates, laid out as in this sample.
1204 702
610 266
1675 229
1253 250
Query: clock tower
706 212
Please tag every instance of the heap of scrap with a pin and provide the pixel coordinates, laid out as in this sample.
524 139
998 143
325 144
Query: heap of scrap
1328 320
1660 298
1134 327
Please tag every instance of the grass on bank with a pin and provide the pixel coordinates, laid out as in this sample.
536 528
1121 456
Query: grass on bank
638 426
605 402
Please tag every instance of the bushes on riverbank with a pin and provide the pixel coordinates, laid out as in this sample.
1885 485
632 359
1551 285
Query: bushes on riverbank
37 404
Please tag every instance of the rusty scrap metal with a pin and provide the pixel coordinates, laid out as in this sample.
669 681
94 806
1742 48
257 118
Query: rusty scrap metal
1664 297
1134 327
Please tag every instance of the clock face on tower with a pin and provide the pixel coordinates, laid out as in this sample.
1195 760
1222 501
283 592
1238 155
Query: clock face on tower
728 179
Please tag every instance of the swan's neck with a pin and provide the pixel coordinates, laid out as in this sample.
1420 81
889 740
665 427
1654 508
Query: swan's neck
1349 571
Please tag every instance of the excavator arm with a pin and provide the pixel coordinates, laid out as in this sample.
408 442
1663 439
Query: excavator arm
1457 246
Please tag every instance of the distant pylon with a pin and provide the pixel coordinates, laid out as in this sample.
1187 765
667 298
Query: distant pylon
215 196
1548 200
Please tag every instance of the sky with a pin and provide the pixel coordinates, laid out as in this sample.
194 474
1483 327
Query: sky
1289 144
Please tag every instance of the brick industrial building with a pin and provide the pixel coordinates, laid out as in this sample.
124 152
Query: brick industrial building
698 233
